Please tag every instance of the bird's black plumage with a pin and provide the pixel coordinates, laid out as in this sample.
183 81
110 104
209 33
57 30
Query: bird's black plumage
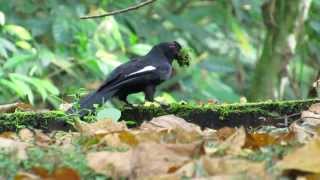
142 74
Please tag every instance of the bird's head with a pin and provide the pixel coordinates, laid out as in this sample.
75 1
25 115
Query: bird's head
173 50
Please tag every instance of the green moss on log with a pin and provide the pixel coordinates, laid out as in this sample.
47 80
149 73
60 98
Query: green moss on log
48 121
216 116
208 115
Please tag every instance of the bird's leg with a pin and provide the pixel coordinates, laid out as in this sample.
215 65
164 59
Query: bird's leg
149 93
123 98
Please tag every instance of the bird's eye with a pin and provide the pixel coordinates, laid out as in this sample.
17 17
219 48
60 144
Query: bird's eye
175 46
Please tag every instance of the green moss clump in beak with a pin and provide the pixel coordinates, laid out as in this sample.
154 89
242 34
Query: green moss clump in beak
184 58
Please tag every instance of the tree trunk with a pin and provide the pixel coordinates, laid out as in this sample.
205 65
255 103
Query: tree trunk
284 22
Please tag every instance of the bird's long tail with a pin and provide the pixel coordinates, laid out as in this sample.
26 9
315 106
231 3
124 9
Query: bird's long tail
87 103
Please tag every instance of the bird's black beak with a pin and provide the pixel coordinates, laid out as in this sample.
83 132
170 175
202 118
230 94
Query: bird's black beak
176 47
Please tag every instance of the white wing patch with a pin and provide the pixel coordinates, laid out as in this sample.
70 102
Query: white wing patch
145 69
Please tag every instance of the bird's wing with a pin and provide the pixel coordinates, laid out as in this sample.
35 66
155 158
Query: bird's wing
134 79
126 72
117 74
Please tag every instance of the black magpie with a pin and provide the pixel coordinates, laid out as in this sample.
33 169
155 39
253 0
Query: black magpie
141 74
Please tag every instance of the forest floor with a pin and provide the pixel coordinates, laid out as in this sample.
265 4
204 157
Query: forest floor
167 147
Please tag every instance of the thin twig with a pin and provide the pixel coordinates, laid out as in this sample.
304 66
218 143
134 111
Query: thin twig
137 6
288 116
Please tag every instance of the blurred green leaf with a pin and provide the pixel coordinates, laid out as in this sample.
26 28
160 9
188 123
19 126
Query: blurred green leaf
9 84
6 46
315 26
23 45
117 34
50 87
24 89
223 92
61 31
140 49
18 31
17 60
33 81
64 65
109 113
2 19
46 56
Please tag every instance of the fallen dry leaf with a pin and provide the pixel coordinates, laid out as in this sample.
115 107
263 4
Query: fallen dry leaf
305 159
112 140
235 142
308 126
225 132
315 108
169 129
258 140
26 176
101 127
285 137
26 135
65 173
14 146
40 171
177 135
62 173
216 168
42 139
239 176
169 122
134 137
232 145
227 165
115 164
150 159
149 136
9 135
35 136
189 169
128 138
162 177
230 177
310 118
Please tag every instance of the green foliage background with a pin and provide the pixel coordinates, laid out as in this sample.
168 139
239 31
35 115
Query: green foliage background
47 52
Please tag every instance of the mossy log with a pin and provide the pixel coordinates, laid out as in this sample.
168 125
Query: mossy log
276 113
47 121
210 115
